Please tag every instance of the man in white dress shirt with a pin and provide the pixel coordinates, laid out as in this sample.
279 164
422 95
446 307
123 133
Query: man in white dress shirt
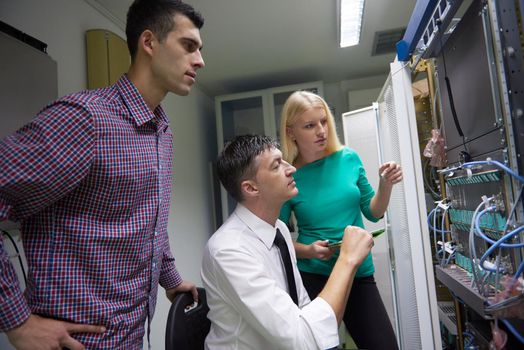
243 271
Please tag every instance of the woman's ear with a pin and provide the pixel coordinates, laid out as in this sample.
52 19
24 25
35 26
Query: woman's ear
289 133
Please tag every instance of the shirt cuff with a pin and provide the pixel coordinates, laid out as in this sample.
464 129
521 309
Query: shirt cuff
169 276
323 323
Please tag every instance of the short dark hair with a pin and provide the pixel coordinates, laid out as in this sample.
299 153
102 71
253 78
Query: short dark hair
157 16
236 162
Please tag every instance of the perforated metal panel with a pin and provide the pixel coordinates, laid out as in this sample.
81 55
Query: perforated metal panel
409 238
400 240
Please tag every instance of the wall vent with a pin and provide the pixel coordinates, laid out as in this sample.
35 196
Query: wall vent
385 41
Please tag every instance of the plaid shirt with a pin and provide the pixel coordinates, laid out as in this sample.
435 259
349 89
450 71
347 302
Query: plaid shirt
90 181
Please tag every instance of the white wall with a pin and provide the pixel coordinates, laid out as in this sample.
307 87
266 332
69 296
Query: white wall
364 98
190 219
62 24
337 95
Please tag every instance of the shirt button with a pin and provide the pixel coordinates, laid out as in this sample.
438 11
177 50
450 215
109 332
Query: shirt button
160 167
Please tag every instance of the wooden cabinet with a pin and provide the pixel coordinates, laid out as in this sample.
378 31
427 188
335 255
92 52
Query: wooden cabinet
252 112
107 58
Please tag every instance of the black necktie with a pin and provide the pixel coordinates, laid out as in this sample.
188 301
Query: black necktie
280 242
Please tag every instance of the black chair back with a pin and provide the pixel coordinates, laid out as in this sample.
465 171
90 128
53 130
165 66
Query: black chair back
187 323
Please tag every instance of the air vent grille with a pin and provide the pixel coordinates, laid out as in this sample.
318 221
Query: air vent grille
385 41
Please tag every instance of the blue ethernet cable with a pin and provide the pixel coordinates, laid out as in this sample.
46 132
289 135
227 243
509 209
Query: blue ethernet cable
431 213
481 234
519 272
513 330
499 243
497 164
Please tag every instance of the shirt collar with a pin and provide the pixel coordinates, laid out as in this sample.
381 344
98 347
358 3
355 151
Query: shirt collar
136 105
264 231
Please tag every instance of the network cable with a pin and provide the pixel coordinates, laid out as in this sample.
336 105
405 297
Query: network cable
438 252
479 232
472 249
486 162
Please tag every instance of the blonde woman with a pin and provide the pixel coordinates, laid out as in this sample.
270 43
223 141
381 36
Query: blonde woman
333 193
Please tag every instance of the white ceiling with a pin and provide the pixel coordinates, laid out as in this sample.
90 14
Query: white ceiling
254 44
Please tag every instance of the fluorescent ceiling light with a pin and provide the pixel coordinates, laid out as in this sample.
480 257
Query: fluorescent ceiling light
351 13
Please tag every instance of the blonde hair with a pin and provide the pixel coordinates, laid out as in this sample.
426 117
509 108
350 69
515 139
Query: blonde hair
296 104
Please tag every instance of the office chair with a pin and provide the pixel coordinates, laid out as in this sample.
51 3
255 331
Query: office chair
187 323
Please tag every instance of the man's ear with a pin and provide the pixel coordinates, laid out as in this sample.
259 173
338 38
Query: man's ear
249 188
147 41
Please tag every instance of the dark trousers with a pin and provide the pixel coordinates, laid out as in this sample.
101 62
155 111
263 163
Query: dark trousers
365 317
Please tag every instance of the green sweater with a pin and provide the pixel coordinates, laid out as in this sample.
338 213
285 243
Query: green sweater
333 193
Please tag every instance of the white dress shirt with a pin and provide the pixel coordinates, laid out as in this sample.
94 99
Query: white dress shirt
246 288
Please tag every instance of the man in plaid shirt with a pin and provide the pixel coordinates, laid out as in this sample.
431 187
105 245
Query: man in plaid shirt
89 179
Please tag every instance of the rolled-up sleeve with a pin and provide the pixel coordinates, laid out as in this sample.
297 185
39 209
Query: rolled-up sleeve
323 323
